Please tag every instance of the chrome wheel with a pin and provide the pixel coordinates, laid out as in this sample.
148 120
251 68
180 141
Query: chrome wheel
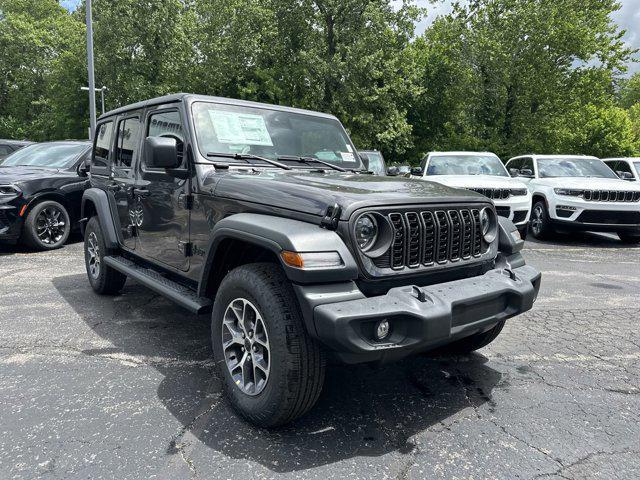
51 225
93 249
246 346
537 219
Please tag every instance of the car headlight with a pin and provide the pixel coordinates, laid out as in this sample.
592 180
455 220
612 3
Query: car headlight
488 224
366 231
568 191
9 192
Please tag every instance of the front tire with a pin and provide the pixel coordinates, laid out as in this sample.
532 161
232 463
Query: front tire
541 227
47 226
272 370
629 238
103 279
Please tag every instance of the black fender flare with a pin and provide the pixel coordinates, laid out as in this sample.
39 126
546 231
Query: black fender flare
277 234
100 201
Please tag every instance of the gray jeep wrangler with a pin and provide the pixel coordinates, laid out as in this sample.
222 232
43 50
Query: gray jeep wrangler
265 217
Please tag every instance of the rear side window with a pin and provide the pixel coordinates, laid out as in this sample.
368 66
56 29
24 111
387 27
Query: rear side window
102 145
128 140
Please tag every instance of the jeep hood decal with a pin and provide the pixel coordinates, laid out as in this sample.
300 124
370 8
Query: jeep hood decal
313 192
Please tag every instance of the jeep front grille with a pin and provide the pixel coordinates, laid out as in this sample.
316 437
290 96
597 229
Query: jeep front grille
611 196
433 237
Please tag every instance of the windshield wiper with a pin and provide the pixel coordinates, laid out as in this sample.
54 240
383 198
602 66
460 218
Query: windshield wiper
247 157
308 160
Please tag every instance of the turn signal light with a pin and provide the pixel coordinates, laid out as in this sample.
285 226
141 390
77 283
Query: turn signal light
311 260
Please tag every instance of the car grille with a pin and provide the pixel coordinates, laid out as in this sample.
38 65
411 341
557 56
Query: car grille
609 218
611 196
494 193
434 237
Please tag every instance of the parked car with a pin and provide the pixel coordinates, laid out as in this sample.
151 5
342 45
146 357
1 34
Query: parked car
482 172
625 168
373 161
41 187
268 219
7 147
576 192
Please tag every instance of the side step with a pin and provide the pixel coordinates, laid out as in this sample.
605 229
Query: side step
183 296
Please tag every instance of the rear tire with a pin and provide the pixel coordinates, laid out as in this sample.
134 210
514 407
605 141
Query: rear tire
103 279
541 227
629 238
474 342
272 375
47 226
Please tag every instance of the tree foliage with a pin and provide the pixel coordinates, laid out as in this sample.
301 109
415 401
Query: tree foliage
510 76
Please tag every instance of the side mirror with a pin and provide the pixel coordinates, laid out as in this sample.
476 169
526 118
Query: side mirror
625 176
514 172
416 171
84 168
393 171
161 152
526 172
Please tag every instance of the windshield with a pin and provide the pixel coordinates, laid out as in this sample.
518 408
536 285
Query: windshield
376 163
53 155
466 165
573 167
272 134
636 165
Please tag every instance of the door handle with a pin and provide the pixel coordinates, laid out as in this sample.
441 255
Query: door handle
140 192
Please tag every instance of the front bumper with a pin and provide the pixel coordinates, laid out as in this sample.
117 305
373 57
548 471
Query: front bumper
10 223
450 311
515 208
575 213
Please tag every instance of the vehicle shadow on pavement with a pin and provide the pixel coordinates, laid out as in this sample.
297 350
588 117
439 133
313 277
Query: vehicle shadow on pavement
17 248
579 239
362 411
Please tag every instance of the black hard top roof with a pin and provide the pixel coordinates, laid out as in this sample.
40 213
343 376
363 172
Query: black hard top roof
179 97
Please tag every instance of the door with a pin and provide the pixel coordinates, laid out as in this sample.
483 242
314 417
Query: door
163 233
125 158
109 176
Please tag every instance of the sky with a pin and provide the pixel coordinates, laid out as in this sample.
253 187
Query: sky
628 18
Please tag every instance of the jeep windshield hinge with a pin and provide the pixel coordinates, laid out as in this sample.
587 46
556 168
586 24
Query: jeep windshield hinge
186 248
331 217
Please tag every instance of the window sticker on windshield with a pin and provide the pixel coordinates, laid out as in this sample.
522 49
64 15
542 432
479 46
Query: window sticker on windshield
349 148
243 128
347 157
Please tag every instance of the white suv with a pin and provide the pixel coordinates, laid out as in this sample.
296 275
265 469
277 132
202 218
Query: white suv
482 172
577 192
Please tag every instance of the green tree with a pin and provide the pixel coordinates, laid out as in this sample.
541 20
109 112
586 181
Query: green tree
629 93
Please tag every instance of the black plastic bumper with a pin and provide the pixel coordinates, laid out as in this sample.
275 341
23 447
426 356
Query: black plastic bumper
10 223
446 312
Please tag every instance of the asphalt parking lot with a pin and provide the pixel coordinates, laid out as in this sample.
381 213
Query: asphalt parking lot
123 388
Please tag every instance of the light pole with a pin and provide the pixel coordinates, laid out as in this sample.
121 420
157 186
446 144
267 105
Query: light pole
92 82
101 90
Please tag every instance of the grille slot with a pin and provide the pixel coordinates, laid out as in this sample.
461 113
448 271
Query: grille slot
497 193
611 196
427 238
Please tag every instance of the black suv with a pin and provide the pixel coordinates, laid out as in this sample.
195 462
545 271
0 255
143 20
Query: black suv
265 216
41 186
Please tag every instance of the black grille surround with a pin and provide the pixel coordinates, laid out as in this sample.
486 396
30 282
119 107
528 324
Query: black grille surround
611 196
500 193
429 238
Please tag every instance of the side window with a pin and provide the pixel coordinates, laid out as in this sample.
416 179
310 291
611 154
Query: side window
127 144
167 124
5 150
517 163
622 167
102 144
527 164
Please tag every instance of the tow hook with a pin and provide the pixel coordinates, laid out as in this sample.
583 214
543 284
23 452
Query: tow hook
510 273
420 294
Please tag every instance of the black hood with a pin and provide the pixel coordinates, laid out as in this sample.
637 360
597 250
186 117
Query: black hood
312 192
24 174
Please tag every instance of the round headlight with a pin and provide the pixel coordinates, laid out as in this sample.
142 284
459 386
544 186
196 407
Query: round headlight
488 225
366 232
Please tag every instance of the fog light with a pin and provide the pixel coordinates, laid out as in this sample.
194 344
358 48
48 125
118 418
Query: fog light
382 329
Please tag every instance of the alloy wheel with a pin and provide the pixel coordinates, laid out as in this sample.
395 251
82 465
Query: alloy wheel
93 249
51 225
536 221
245 343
